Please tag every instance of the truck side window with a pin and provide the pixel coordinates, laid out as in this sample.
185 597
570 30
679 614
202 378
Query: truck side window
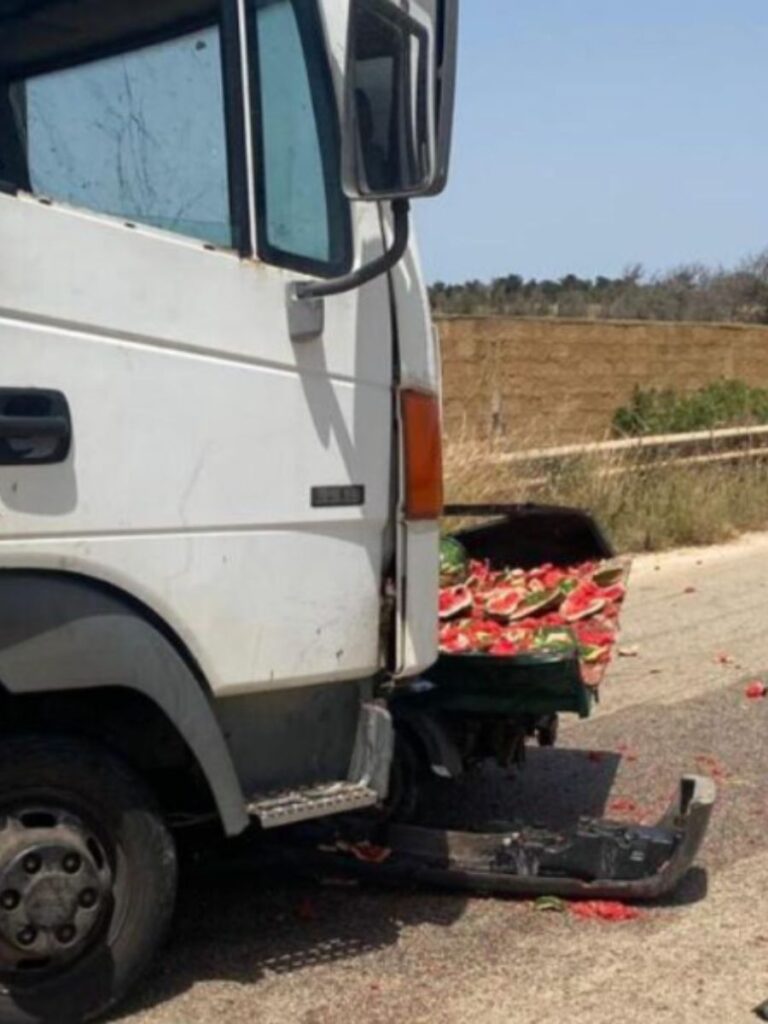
304 220
139 135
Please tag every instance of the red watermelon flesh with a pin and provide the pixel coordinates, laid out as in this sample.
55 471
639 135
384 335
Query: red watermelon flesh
551 609
504 602
558 579
454 640
540 571
552 619
594 654
454 601
595 631
615 593
484 634
586 569
592 674
584 601
505 649
481 576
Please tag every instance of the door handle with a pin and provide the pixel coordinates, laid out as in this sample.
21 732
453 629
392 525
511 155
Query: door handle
24 427
35 427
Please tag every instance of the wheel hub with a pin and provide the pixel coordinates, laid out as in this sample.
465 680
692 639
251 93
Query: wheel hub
54 888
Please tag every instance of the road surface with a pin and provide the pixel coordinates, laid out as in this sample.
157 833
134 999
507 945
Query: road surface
250 948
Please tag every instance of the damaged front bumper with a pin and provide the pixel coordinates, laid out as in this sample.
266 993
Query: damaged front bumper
597 859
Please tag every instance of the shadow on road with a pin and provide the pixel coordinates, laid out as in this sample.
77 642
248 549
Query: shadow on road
235 925
243 924
556 788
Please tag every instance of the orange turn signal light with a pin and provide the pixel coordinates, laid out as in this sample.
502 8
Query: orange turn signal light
423 454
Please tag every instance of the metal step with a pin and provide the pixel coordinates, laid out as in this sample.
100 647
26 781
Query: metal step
294 805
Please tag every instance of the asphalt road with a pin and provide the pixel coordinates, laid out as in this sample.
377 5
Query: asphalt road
265 950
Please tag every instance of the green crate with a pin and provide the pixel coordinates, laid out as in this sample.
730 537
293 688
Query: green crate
526 684
536 683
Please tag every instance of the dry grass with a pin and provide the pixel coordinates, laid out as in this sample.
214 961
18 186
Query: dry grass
643 507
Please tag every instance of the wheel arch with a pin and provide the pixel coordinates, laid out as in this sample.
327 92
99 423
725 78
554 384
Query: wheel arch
67 638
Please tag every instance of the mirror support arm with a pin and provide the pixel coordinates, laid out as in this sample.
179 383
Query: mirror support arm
366 273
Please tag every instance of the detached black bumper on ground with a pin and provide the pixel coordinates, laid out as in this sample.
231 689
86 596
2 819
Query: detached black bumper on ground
595 860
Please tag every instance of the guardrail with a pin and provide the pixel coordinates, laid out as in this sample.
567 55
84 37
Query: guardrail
732 444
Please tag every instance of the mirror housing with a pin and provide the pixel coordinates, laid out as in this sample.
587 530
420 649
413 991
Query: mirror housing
397 122
398 98
446 60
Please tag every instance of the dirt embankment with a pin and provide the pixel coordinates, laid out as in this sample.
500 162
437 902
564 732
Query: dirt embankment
538 382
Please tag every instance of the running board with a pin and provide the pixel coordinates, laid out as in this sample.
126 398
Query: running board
366 784
315 802
595 860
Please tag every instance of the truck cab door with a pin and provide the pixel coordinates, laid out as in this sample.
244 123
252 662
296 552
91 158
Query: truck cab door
177 175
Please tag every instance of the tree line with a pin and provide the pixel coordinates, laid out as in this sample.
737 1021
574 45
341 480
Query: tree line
691 292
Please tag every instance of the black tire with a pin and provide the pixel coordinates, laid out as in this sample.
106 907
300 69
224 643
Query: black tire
407 778
96 788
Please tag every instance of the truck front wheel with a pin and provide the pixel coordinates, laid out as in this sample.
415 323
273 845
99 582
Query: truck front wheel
87 879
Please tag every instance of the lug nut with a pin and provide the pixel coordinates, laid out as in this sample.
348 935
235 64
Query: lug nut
66 933
26 936
32 864
10 899
88 898
72 863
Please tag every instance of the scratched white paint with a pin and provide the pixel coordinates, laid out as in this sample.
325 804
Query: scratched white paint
200 429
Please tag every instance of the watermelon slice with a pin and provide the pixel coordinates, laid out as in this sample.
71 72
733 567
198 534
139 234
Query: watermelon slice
453 601
484 634
453 561
594 654
585 570
540 571
554 578
551 619
558 640
536 602
504 602
595 631
553 637
511 578
554 610
609 573
617 592
481 576
586 600
611 611
454 640
505 649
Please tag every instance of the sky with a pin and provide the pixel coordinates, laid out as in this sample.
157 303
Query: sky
596 134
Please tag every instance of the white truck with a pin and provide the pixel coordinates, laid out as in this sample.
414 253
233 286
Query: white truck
220 466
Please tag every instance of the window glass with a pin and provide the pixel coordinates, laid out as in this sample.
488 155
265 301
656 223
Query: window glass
140 136
390 73
303 215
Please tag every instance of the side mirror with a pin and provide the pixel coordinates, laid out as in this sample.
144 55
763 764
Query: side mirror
397 124
399 93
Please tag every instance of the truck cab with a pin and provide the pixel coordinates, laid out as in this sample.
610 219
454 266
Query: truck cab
220 477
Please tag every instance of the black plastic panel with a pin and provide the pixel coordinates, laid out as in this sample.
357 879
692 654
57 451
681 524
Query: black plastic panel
35 427
529 535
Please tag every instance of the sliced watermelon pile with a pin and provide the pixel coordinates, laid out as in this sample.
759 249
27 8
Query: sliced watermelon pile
549 609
